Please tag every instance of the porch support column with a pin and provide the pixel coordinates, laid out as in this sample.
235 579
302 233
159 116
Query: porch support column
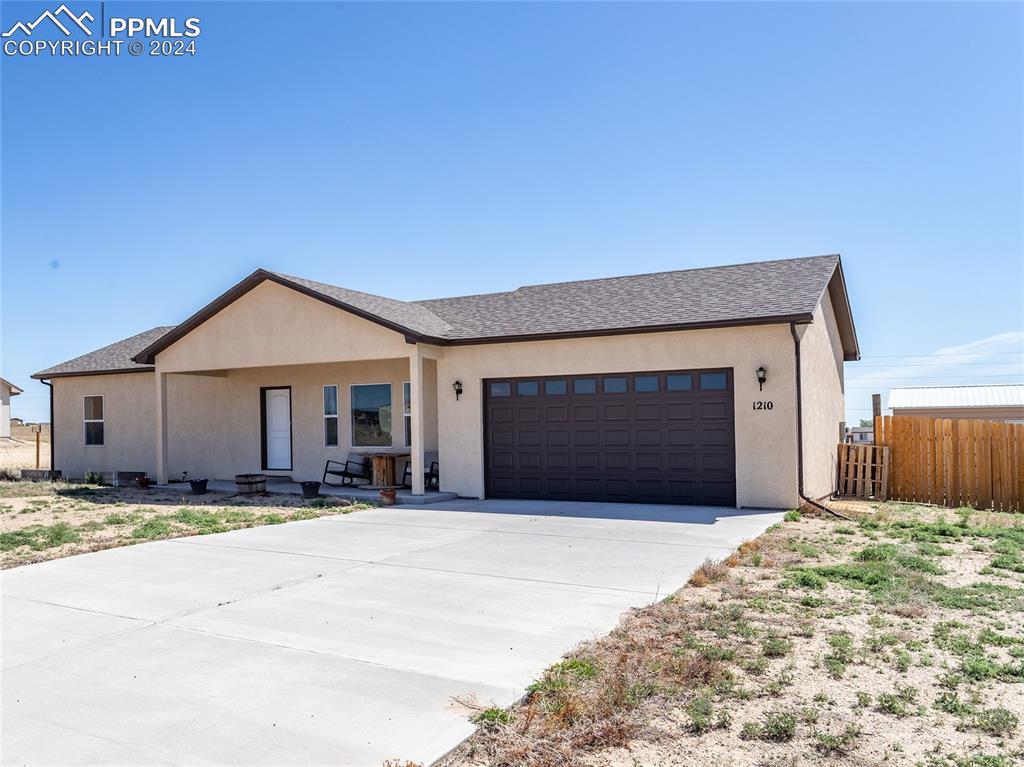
416 416
161 428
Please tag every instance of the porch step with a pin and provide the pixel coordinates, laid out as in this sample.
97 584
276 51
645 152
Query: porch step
401 500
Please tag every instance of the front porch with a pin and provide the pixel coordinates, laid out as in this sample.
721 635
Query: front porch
288 421
356 494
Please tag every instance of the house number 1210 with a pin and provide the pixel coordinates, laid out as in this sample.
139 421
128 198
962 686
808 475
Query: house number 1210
763 404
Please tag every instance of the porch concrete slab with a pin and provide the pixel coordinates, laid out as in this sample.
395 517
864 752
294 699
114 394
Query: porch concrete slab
337 641
155 581
356 493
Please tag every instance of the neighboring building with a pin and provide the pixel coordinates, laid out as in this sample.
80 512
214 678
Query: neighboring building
641 388
16 422
860 435
991 402
7 390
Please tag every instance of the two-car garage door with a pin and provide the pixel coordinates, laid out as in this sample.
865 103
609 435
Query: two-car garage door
656 437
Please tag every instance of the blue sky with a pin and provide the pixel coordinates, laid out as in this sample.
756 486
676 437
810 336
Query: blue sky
421 150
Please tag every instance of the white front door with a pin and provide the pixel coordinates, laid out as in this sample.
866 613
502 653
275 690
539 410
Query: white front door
277 409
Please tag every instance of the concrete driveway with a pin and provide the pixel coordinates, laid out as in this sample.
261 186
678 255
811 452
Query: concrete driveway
335 641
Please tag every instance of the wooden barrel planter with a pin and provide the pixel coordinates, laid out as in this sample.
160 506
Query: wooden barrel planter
251 484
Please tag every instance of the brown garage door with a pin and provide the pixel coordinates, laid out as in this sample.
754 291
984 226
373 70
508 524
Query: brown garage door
654 437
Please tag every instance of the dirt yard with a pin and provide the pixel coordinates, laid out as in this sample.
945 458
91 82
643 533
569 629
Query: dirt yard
896 639
19 452
40 521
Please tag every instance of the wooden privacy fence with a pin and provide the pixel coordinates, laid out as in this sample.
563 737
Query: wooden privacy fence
954 462
863 470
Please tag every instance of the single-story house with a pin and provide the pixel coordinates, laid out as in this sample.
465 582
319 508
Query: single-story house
7 390
721 385
989 402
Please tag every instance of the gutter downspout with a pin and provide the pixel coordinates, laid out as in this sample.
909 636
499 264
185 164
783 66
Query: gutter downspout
800 432
53 441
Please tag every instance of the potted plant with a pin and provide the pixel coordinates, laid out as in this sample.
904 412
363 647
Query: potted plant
387 496
310 489
198 485
143 483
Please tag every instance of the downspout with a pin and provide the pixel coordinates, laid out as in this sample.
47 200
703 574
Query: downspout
800 432
53 441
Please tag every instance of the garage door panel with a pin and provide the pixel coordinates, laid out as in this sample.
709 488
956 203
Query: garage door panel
660 437
616 437
616 412
679 411
646 411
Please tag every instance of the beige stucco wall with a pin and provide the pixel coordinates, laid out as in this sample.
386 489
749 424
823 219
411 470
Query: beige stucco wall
129 424
272 325
821 359
214 421
975 413
765 439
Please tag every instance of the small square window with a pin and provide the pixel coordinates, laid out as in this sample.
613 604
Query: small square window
679 382
503 389
615 385
584 386
555 387
713 381
645 384
527 388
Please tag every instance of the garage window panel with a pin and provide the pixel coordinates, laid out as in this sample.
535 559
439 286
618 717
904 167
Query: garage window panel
645 384
713 381
616 385
555 387
527 388
584 386
679 382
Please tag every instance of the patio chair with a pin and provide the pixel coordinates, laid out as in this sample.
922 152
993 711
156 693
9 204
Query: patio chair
352 469
431 477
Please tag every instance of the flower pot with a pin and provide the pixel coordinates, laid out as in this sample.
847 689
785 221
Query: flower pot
387 497
198 486
310 489
143 482
251 484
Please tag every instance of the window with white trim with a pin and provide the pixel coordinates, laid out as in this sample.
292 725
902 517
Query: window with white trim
371 415
331 415
93 418
407 411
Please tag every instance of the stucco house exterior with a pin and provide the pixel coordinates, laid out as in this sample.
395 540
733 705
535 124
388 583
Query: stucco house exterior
721 385
987 402
7 390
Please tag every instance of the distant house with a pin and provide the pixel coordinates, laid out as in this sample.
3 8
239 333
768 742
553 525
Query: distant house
16 422
860 435
7 390
992 402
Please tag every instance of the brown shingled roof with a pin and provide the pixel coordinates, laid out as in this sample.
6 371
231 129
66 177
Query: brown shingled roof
115 358
717 296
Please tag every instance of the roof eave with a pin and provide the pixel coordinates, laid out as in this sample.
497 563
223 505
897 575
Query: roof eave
666 328
43 375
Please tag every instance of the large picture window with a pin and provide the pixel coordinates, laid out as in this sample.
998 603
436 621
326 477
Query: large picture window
94 420
371 415
331 415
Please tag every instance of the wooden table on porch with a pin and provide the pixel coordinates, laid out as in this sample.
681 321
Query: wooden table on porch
383 471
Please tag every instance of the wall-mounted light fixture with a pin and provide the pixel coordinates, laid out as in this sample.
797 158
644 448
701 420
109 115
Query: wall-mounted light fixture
457 386
762 376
